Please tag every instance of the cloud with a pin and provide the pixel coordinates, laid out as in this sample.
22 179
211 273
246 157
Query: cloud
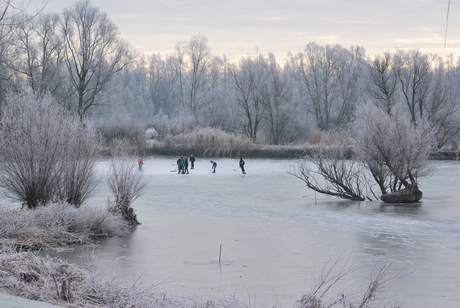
236 27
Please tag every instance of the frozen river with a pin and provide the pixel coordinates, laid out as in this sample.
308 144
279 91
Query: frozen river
276 235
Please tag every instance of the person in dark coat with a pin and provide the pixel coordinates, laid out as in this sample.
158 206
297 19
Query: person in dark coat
214 165
180 165
242 165
192 161
186 165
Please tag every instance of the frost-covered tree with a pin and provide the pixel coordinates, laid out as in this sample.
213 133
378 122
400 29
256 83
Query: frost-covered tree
197 73
330 78
126 184
93 53
160 85
6 74
390 144
77 167
279 101
388 151
413 72
47 154
247 79
330 172
38 54
382 84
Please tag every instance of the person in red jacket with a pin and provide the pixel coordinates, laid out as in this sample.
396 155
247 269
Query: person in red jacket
140 161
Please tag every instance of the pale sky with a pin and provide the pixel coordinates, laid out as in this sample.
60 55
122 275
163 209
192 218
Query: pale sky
235 28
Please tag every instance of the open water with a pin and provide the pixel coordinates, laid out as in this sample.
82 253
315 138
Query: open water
274 236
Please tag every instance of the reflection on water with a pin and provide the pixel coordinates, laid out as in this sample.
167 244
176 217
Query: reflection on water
276 234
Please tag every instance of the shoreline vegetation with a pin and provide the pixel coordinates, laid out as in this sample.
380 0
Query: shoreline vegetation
266 152
213 142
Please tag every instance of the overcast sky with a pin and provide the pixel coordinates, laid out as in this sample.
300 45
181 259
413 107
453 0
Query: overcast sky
236 27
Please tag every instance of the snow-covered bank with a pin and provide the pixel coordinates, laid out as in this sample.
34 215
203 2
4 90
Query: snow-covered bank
57 225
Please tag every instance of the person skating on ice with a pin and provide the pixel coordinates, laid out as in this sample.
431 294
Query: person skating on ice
185 165
214 165
242 165
180 165
140 161
192 161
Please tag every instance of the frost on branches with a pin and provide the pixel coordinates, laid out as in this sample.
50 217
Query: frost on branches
47 154
389 153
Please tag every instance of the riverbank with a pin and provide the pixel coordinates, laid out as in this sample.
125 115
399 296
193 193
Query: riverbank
263 151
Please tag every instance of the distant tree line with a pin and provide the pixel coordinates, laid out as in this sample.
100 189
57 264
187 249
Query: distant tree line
78 58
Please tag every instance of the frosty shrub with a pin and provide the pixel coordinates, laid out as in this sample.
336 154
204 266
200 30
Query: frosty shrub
57 225
126 183
165 126
122 129
327 290
322 138
214 141
388 152
394 149
30 276
78 178
330 171
47 155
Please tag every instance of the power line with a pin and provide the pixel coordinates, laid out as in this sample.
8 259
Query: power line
447 23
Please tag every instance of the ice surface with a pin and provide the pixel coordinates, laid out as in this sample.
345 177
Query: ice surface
277 235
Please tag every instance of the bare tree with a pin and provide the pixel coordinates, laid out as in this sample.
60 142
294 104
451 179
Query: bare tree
11 15
126 184
6 47
424 84
330 78
382 84
339 175
247 79
443 108
388 150
38 54
11 9
413 72
279 101
393 148
32 145
46 153
197 73
78 176
94 53
160 85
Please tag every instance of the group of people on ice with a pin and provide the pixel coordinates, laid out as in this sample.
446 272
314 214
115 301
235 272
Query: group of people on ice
182 164
241 163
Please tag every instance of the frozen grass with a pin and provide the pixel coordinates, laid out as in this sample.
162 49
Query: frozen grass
28 275
326 292
318 138
58 225
210 141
